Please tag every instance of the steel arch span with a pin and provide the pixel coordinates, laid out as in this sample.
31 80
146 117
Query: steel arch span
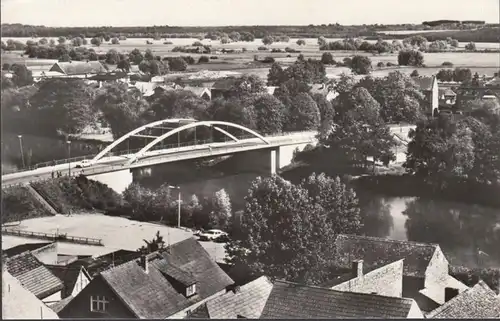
191 124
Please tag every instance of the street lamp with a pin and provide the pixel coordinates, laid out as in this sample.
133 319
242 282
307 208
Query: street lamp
21 148
69 157
178 205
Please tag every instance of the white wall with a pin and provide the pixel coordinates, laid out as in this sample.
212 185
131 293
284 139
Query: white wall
53 298
415 312
117 181
80 284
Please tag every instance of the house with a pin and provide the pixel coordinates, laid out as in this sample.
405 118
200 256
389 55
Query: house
425 268
222 87
115 76
165 284
447 97
322 89
74 279
246 301
386 280
429 87
296 301
20 303
79 68
35 277
478 302
201 92
40 75
150 89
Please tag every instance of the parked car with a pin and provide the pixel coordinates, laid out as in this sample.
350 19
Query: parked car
84 163
211 235
224 238
197 232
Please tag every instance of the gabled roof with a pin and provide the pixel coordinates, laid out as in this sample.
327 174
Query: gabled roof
424 83
20 303
376 252
248 301
198 91
292 300
446 92
24 248
478 302
151 295
79 67
59 305
67 274
109 76
33 275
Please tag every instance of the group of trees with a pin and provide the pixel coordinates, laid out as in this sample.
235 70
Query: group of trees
458 75
288 231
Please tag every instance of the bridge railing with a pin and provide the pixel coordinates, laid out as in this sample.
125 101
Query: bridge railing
135 150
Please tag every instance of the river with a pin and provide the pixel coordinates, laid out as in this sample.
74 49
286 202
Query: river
468 234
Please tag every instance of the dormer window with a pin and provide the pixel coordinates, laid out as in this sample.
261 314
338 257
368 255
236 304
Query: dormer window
191 290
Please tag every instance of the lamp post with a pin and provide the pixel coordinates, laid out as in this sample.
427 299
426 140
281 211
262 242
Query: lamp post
69 157
21 148
178 205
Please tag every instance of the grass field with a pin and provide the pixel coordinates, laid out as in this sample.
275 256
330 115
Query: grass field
115 232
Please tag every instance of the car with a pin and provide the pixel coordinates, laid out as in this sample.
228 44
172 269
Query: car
84 163
224 238
211 235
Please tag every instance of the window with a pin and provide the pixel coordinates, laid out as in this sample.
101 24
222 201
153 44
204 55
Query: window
191 290
98 304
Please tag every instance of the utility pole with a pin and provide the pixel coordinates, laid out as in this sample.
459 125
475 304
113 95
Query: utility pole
21 148
69 157
179 200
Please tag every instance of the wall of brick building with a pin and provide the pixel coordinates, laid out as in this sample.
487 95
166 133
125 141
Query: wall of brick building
387 280
47 254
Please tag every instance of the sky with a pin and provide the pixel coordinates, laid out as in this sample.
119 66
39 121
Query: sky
59 13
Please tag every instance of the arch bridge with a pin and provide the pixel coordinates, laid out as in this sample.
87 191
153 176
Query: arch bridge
173 127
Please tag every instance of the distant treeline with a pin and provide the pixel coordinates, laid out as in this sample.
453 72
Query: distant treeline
447 22
310 31
486 34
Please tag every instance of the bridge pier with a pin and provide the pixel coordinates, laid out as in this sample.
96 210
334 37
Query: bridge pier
117 180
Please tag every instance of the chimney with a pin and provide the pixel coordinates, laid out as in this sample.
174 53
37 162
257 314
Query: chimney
144 263
357 268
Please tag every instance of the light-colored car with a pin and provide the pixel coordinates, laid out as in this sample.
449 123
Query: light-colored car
211 235
84 163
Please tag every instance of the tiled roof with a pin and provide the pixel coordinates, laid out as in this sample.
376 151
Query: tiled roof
190 256
478 302
68 275
104 262
19 303
109 76
79 67
376 252
424 83
248 301
59 305
151 295
291 300
24 248
201 312
33 275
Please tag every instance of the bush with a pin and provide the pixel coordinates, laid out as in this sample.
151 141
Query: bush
288 49
327 58
197 44
18 204
190 60
470 277
203 60
390 64
168 43
177 64
380 64
115 41
268 60
262 48
447 64
214 57
277 50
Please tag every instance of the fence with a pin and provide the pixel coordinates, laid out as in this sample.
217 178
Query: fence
53 237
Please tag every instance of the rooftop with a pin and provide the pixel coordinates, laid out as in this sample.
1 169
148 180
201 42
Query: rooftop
185 262
292 300
33 275
79 67
478 302
24 248
376 252
67 274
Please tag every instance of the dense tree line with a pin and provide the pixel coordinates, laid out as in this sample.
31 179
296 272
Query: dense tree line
458 75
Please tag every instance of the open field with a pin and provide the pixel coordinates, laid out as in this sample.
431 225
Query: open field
116 233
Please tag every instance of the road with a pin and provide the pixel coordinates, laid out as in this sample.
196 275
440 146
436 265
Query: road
114 163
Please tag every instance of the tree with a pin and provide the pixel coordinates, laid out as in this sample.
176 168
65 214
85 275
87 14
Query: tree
470 46
61 40
225 40
235 36
64 105
361 65
124 65
154 245
96 41
301 42
325 107
43 41
247 85
321 41
327 58
178 104
247 36
276 75
112 57
77 41
267 40
304 113
233 110
177 64
221 213
154 67
148 55
445 75
115 41
283 234
462 74
22 76
270 114
410 58
135 56
414 73
398 96
454 43
338 202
